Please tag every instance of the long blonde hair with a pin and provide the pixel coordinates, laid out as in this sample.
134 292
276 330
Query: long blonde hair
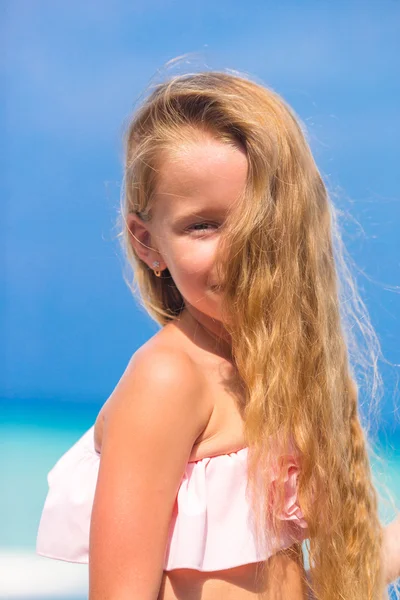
282 307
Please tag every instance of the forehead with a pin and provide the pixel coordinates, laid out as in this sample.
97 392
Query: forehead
200 176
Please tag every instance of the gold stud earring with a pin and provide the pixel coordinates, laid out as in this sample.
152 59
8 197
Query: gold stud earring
157 273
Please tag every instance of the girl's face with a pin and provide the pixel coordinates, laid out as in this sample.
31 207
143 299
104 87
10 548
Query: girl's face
197 185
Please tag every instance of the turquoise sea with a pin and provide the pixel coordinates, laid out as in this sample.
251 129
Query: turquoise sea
33 435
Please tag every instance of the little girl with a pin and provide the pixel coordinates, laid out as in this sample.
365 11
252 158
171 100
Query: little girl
233 434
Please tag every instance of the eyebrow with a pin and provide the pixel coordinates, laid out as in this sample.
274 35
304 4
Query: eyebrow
198 214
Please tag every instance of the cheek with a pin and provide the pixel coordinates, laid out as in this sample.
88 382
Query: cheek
193 261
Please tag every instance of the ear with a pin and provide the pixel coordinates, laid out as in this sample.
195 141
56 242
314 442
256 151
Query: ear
141 240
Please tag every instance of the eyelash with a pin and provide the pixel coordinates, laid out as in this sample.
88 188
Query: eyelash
200 230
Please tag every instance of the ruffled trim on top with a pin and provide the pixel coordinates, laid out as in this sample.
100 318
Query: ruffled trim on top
211 526
285 471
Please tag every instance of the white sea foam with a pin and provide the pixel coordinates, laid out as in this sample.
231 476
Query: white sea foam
27 576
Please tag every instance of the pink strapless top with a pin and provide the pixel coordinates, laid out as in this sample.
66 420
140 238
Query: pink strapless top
211 526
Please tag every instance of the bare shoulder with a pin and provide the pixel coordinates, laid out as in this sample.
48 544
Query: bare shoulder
153 418
162 377
154 371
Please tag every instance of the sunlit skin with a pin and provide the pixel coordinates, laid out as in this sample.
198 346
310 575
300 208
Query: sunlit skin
196 187
197 184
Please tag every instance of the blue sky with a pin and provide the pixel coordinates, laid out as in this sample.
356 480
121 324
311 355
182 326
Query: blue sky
71 74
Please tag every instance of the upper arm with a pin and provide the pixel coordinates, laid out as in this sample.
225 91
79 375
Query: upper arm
153 418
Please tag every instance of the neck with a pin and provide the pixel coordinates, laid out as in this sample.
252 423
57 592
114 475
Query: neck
206 330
